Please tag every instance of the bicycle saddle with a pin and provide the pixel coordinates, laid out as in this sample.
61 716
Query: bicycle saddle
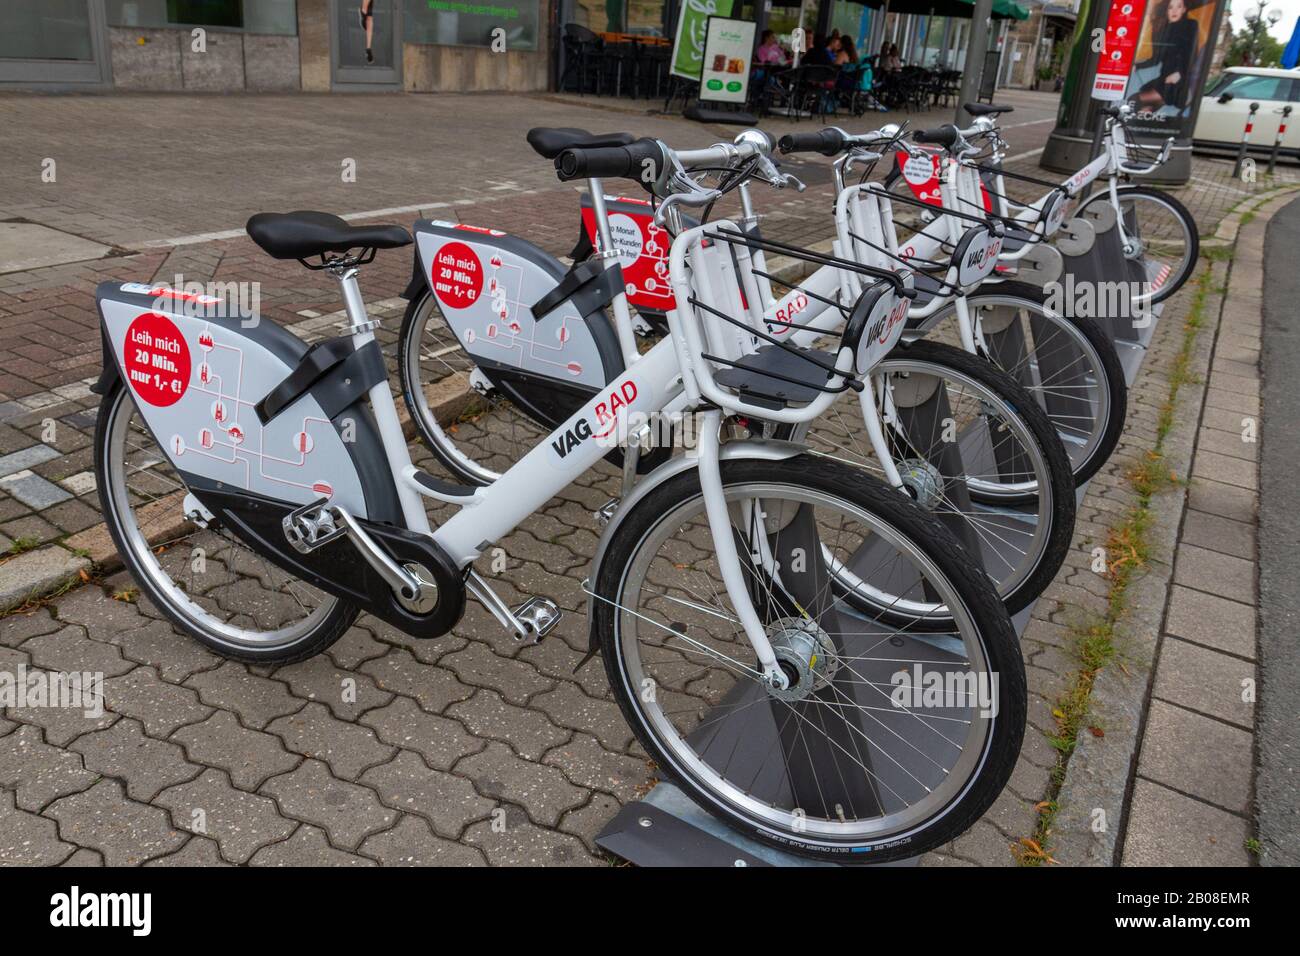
550 141
987 109
299 235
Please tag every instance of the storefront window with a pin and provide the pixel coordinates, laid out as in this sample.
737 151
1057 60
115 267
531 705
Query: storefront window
645 17
278 17
54 30
472 23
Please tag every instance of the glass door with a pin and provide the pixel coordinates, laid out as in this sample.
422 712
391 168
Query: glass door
54 42
366 43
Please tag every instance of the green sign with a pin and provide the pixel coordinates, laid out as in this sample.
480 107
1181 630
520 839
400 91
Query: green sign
692 24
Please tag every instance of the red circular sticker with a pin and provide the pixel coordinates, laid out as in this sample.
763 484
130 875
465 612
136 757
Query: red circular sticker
157 359
457 276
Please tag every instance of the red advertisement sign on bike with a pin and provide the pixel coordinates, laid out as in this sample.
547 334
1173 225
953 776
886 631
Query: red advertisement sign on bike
1119 49
920 171
642 248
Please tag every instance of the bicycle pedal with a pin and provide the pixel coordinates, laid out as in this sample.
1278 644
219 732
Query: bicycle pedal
539 616
310 527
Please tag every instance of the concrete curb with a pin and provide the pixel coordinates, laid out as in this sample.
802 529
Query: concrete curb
1094 795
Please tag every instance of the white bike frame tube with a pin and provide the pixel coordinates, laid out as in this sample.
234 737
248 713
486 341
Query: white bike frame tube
385 411
568 452
622 313
724 542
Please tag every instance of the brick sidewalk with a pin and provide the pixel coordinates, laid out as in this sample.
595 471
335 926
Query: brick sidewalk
443 738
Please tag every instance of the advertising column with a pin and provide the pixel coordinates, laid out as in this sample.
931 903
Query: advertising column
1154 55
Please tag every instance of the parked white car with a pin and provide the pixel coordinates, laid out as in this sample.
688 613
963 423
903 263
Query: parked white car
1226 104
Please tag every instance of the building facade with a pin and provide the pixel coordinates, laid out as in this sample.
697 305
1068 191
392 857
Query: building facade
413 45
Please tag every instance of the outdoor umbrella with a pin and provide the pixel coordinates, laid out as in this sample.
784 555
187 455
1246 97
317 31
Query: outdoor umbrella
1291 55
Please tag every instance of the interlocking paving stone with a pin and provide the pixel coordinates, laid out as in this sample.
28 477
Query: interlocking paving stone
1211 620
249 756
70 650
307 847
569 707
434 687
440 740
85 857
17 628
1205 680
347 812
541 790
1166 828
355 648
160 706
174 655
146 765
199 851
347 748
126 832
448 801
521 843
586 822
27 839
32 490
586 763
26 459
480 666
240 822
257 700
346 693
1197 755
39 772
528 731
412 843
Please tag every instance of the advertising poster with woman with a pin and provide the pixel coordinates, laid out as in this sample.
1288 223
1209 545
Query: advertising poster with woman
1173 53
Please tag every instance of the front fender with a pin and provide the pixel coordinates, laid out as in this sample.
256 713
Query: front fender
768 449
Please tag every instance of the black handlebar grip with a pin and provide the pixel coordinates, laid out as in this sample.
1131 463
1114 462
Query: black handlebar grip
828 142
642 160
943 136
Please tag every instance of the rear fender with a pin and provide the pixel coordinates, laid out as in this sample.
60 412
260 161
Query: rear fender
196 376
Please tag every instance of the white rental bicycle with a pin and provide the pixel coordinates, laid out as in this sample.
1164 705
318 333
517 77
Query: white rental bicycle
1157 233
716 589
1066 361
963 439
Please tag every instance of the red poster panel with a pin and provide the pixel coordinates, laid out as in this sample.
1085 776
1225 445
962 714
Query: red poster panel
1123 28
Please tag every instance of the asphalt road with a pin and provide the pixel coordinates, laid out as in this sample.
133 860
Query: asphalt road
1277 790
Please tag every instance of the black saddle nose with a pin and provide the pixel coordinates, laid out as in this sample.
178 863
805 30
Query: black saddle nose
300 235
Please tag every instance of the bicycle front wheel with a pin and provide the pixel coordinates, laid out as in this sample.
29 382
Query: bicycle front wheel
1160 233
848 763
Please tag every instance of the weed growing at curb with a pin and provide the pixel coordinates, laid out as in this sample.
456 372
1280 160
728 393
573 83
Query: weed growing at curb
1128 548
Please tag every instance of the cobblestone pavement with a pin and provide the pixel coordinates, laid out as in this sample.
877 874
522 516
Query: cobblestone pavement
433 742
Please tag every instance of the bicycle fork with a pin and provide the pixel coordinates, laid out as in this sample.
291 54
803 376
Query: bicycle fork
729 558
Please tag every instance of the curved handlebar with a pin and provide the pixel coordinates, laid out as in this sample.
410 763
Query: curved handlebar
946 136
828 141
642 160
